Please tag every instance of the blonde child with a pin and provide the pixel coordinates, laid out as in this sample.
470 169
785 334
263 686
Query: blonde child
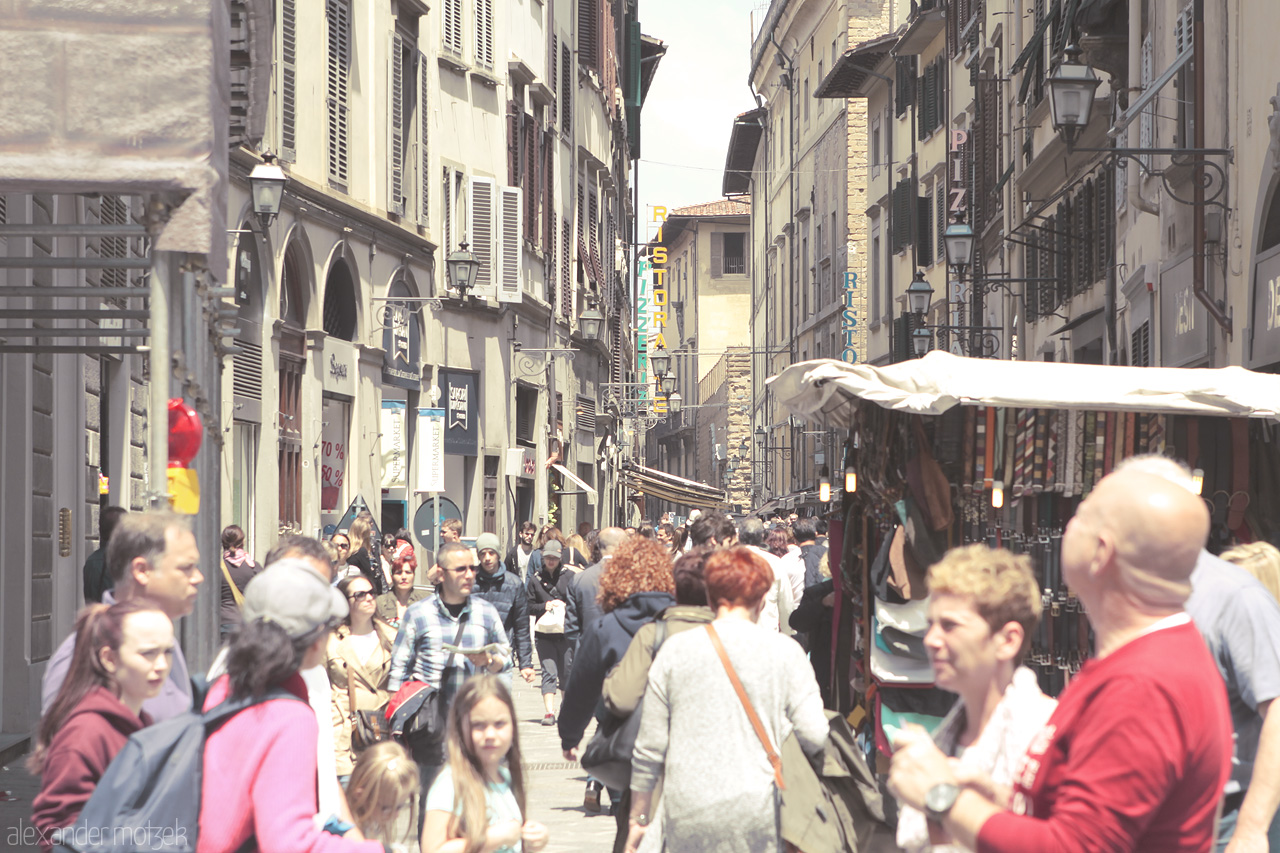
383 782
477 803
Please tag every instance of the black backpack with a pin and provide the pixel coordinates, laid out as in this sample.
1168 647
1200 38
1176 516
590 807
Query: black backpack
149 798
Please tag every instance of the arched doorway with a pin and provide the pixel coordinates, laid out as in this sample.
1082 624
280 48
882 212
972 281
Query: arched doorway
295 286
340 310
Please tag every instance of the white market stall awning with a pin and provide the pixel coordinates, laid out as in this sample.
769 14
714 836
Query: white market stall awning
669 487
829 391
573 478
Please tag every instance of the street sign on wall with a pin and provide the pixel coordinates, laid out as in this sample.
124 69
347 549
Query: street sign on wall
430 468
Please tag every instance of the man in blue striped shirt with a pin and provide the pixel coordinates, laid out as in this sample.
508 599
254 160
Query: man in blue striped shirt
429 624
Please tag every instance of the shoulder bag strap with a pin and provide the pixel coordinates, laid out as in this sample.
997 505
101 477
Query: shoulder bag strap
774 760
235 590
462 626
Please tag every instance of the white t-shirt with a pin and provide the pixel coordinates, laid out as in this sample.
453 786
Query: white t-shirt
522 561
364 645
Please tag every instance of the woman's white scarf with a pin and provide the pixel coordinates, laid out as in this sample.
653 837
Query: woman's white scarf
1021 714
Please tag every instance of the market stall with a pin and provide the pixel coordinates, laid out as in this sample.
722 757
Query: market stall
950 450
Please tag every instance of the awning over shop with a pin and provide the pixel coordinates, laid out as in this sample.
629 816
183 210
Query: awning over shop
669 487
573 478
830 391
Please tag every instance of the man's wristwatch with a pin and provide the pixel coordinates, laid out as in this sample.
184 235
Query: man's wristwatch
940 799
640 820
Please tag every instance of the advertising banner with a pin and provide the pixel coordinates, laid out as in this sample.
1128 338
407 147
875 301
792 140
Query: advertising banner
462 407
395 456
430 451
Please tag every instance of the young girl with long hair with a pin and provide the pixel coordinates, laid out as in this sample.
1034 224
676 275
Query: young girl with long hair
122 657
477 803
383 783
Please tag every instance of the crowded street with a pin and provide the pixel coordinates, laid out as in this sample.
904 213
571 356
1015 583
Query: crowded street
639 426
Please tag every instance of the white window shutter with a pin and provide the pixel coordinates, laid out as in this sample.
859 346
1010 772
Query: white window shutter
288 80
397 127
481 236
339 90
451 26
484 33
511 244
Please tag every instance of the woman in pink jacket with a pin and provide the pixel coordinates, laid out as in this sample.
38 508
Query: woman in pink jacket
258 791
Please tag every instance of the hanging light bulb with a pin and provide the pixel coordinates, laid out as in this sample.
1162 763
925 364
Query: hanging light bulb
824 485
850 480
1197 481
997 494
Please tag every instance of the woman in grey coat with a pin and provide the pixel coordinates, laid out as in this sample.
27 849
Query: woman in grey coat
721 794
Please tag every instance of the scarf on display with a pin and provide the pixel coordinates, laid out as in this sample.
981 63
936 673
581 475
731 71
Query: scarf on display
238 557
1022 712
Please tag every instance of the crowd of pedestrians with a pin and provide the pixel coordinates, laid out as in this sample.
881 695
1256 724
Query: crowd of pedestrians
364 696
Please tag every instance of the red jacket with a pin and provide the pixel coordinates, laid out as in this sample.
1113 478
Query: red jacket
260 780
78 756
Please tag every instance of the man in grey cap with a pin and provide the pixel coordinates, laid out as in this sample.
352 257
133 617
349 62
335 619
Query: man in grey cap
505 592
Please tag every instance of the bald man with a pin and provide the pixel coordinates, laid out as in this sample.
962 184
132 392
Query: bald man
1138 752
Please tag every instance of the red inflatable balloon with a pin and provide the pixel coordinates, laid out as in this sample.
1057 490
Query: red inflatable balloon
185 433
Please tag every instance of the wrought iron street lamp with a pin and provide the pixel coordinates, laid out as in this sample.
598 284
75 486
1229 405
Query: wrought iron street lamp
824 485
919 294
462 267
589 322
958 239
674 402
667 383
266 183
660 361
1071 92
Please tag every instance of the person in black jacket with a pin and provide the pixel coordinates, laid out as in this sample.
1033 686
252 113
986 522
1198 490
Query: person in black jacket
637 586
812 616
548 589
505 592
517 561
585 587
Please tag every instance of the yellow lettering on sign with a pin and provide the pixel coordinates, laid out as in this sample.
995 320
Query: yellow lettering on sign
659 254
659 278
660 296
659 213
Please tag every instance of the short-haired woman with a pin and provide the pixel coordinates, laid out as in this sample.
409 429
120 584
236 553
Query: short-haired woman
392 604
984 605
359 665
722 794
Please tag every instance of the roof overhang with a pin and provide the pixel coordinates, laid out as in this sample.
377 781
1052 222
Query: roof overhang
830 391
921 32
744 141
854 73
669 487
651 52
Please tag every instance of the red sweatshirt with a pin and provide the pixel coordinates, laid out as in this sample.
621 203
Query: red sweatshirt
78 756
260 780
1134 758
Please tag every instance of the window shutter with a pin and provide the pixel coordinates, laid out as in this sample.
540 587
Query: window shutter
529 185
484 33
451 27
288 80
589 33
513 143
553 76
424 138
446 214
339 91
566 89
511 246
585 416
396 132
1140 346
566 267
717 254
548 191
902 215
593 213
940 220
481 236
924 229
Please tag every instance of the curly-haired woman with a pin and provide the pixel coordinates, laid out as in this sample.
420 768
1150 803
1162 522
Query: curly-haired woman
635 588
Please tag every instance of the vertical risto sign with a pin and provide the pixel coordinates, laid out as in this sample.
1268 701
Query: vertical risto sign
850 319
651 303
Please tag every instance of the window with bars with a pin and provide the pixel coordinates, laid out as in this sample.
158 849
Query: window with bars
735 253
289 80
451 27
484 33
338 91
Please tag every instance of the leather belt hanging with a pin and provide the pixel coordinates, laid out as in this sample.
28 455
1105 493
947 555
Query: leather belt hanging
1090 450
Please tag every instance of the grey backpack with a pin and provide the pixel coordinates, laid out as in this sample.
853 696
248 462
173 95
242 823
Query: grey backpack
149 798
